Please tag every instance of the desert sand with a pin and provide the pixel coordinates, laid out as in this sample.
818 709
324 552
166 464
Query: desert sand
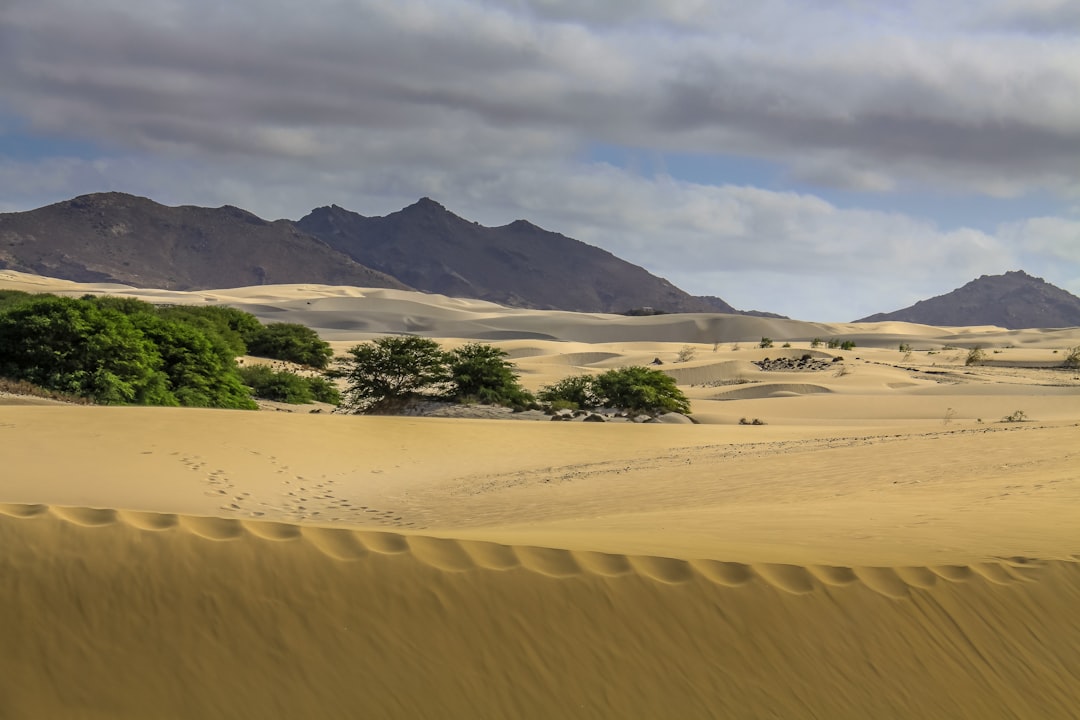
885 545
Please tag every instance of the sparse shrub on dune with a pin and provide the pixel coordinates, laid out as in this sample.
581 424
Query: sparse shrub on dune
1072 360
635 389
975 356
384 375
640 389
765 343
481 373
571 393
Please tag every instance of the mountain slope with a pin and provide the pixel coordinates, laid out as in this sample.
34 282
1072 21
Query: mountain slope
1014 300
115 237
520 264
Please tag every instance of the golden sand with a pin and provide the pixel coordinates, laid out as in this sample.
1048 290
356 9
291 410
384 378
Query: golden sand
885 546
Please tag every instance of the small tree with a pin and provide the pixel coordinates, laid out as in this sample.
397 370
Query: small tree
640 389
384 374
816 342
480 372
765 343
575 392
847 345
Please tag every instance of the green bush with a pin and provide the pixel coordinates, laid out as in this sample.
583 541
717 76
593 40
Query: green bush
640 389
290 342
765 343
636 389
816 342
76 347
116 351
12 297
381 376
847 345
481 373
288 387
570 393
235 327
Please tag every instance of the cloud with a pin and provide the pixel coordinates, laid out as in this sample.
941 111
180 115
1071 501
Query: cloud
279 107
899 103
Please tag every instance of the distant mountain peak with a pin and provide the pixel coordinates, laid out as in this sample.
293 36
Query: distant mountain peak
1012 300
425 204
430 248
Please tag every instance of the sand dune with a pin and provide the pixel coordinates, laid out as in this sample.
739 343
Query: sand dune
884 546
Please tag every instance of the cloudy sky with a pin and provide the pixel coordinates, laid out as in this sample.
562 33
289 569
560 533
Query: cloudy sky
824 160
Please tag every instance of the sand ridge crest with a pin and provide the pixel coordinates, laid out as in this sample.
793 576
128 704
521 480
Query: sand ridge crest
456 556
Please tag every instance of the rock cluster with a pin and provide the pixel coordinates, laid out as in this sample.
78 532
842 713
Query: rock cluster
613 415
803 364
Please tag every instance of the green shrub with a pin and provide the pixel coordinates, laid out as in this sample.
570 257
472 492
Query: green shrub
279 385
847 345
288 387
640 389
481 373
9 298
570 393
384 374
905 348
290 342
236 328
765 343
816 342
636 389
323 390
116 351
74 346
975 356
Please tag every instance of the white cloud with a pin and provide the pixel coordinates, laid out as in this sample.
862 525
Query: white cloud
279 107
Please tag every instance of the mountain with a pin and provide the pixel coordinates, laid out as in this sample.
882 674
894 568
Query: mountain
114 237
1014 300
430 248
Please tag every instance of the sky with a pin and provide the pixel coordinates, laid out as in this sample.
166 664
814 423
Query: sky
823 160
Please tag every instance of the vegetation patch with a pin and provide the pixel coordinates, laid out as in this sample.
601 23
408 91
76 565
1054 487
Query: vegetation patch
633 389
385 375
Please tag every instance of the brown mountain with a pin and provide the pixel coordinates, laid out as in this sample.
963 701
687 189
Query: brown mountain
520 264
114 237
1014 300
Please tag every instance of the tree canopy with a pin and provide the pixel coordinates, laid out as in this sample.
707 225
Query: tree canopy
637 389
383 375
117 351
